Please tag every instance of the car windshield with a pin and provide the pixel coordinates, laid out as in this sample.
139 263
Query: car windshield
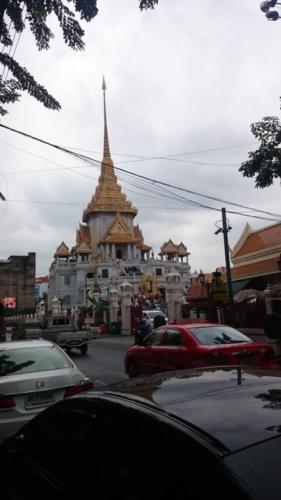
152 314
32 359
210 335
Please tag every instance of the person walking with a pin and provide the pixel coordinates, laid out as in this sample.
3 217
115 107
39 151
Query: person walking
142 331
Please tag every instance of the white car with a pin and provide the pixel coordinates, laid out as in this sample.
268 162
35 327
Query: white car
149 316
33 375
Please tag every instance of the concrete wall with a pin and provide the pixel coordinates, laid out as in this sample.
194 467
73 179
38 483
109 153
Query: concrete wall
17 279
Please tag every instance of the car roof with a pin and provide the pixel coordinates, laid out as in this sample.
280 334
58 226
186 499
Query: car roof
21 344
153 311
195 324
233 405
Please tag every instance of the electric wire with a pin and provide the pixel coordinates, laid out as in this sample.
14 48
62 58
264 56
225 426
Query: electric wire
150 180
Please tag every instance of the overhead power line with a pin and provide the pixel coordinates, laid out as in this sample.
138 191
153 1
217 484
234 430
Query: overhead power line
170 156
154 181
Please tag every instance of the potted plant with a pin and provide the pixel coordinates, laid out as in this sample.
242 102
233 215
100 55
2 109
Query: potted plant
99 307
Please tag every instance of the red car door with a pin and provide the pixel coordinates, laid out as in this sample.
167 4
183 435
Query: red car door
175 353
148 360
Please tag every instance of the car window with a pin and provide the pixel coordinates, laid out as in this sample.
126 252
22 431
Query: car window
210 335
155 337
173 337
32 359
63 321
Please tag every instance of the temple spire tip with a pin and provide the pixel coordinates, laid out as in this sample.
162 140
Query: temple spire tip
103 84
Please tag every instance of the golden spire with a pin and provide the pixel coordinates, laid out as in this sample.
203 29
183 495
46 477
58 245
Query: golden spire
107 168
108 196
106 149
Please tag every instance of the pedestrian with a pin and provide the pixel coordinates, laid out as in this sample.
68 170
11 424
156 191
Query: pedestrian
142 331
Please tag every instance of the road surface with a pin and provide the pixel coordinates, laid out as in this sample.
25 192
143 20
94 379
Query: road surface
104 362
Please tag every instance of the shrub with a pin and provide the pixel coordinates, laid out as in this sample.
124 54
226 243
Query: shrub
272 326
159 320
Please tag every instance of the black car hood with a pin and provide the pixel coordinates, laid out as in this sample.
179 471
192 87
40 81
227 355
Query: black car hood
238 406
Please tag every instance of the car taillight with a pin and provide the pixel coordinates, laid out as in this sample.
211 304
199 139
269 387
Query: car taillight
6 402
85 385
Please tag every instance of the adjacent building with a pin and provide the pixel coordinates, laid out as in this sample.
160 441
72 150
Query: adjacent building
256 258
110 246
41 287
17 282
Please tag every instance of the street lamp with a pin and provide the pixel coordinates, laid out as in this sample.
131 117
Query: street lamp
271 15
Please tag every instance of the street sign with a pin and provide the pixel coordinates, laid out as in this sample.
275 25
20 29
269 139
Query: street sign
219 290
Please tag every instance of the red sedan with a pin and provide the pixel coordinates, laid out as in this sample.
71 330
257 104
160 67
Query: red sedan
192 345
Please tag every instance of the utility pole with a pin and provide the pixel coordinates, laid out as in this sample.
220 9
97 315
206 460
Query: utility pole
225 230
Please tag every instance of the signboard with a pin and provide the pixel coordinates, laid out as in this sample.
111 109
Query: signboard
37 292
9 302
219 290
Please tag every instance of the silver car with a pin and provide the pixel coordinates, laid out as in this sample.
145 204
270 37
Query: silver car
33 375
149 316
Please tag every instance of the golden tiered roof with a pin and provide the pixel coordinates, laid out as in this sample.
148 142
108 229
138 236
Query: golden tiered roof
140 241
82 248
169 247
108 196
83 237
62 250
182 250
118 232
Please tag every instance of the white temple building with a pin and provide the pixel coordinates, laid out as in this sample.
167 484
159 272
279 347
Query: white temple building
110 247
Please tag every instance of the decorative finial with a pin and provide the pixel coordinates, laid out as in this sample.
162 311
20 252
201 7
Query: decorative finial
103 85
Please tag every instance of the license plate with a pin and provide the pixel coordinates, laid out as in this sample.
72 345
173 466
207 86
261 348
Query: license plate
38 399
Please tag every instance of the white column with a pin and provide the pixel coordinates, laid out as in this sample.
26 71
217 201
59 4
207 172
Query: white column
134 251
113 251
107 251
129 256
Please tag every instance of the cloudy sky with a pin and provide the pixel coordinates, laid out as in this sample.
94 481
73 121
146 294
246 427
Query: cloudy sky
184 82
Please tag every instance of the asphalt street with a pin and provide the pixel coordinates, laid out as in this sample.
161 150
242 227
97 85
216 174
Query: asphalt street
104 362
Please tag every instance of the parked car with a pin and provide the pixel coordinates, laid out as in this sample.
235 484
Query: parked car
149 316
60 329
190 345
33 375
194 434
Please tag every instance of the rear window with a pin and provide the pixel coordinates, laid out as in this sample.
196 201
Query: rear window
32 359
153 314
210 335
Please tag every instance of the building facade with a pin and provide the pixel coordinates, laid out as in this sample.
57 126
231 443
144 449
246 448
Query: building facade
110 247
256 258
17 282
41 287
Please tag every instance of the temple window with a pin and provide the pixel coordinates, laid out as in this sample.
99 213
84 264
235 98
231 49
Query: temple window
118 253
67 279
158 271
84 257
104 273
